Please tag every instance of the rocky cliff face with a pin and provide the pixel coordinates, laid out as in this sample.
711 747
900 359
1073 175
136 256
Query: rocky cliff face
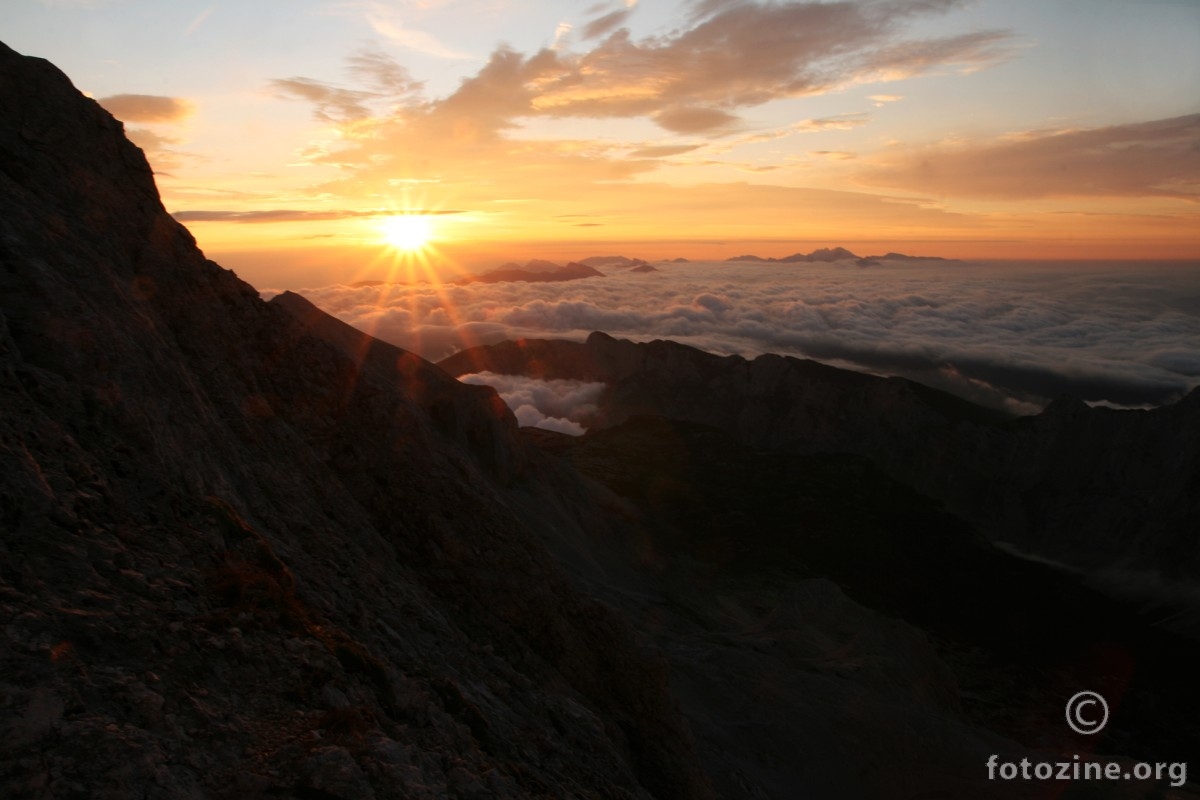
250 552
1110 492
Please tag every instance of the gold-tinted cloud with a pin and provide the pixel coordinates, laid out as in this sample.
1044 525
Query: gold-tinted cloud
1160 158
147 108
692 81
295 215
695 120
330 103
733 56
606 24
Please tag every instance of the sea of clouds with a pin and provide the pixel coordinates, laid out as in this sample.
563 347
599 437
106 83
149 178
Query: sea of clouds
1012 335
556 405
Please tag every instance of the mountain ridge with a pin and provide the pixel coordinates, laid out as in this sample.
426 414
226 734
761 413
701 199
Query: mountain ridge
829 255
1046 483
280 554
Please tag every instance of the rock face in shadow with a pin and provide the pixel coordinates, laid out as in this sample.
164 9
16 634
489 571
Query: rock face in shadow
1116 493
247 551
744 536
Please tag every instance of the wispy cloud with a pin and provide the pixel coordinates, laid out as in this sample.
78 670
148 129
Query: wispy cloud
744 54
198 21
388 21
840 122
295 215
561 32
607 23
697 79
663 150
1158 158
147 108
330 103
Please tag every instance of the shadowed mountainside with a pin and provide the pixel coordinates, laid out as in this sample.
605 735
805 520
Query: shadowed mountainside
248 551
1115 493
743 523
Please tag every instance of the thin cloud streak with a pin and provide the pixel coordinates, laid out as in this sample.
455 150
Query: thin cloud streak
147 108
298 215
1160 158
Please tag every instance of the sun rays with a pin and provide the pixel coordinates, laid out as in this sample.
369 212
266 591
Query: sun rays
409 233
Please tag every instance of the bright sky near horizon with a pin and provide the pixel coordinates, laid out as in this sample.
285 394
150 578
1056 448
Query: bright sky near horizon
285 134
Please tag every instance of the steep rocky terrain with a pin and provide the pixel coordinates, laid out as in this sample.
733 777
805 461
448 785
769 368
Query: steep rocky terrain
246 553
1115 493
752 526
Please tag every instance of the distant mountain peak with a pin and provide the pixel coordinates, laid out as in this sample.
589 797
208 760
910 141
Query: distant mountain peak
832 255
820 255
534 271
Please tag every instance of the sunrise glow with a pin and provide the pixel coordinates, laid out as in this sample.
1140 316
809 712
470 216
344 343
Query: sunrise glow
407 232
983 130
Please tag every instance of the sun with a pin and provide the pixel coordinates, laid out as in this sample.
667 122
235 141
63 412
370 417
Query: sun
407 232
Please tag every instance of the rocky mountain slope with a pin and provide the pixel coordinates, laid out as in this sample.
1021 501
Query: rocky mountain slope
247 552
753 526
1115 493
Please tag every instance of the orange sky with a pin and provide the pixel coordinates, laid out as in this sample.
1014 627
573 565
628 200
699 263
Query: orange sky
709 129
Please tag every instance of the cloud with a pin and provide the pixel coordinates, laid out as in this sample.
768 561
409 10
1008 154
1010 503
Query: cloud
294 215
330 103
561 32
1158 158
198 21
147 108
839 122
556 405
385 21
1006 335
606 24
747 54
694 120
663 151
383 73
696 79
969 52
161 151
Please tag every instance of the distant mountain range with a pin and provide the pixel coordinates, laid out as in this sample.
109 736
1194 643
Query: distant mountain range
827 255
542 271
535 271
539 271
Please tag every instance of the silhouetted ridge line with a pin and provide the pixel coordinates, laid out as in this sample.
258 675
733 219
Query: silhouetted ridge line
1102 490
255 552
